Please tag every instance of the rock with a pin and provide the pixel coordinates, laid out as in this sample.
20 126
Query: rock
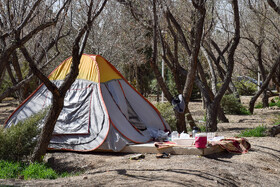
137 157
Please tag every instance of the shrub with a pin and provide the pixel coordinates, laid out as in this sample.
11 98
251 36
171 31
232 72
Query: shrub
18 141
166 111
246 87
231 105
244 111
5 84
256 132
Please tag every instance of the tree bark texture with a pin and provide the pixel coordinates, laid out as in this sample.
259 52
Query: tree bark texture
211 116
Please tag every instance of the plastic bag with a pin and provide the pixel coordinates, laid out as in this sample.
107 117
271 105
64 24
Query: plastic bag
157 134
179 104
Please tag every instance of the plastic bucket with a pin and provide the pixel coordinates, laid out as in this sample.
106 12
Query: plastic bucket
201 140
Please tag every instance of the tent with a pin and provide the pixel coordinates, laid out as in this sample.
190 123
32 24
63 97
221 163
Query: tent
101 109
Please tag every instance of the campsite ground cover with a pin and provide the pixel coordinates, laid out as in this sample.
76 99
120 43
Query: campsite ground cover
259 167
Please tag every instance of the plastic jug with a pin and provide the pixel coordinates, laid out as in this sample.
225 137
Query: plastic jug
174 135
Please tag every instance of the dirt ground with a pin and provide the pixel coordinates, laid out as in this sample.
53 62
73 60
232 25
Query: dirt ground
259 167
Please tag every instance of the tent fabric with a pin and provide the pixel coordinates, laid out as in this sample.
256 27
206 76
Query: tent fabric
89 69
101 109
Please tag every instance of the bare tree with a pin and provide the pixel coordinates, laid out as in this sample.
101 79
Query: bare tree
191 44
21 22
59 92
260 38
15 20
213 104
276 56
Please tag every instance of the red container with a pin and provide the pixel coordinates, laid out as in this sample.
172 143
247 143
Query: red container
200 141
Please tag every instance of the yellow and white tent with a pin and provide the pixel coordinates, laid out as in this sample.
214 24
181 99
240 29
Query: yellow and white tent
101 109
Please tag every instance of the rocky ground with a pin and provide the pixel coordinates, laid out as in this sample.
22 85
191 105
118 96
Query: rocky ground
259 167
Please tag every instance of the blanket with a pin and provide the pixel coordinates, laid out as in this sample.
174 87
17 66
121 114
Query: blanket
234 145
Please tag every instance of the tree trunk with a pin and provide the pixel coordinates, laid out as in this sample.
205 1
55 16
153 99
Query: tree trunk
46 133
221 115
265 99
211 117
189 118
180 122
206 92
212 71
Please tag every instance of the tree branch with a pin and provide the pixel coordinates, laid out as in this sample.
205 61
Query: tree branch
273 5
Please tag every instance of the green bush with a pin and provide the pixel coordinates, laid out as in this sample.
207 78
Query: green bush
18 141
166 111
231 105
246 87
256 132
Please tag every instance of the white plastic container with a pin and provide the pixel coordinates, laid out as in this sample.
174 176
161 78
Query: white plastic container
174 135
184 135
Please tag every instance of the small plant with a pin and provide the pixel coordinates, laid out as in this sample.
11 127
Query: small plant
256 132
231 105
14 170
275 102
9 169
166 111
259 105
38 171
202 128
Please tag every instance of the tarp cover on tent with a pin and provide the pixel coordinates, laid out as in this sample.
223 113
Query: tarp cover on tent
101 109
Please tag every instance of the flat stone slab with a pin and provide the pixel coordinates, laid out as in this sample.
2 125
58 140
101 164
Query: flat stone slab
175 150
